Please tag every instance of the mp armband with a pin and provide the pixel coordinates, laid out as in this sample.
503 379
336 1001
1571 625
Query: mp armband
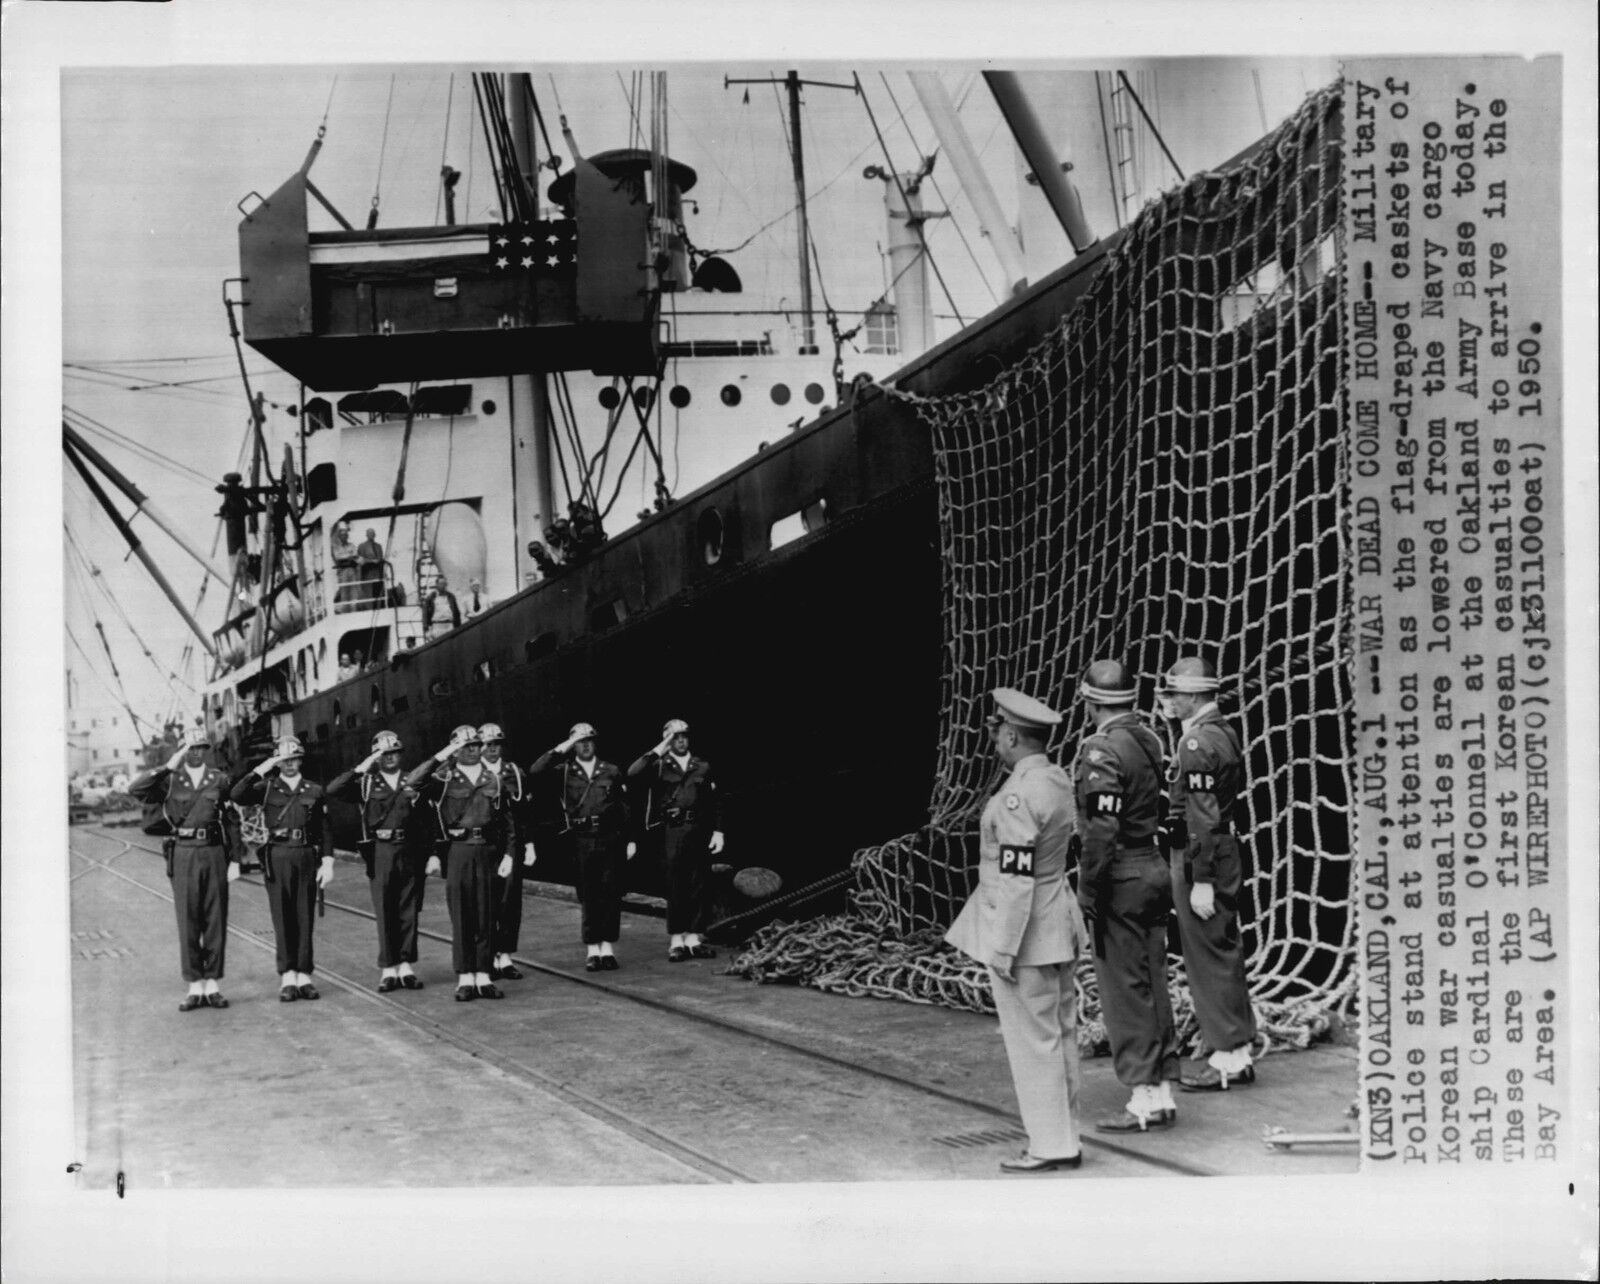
1103 804
1016 860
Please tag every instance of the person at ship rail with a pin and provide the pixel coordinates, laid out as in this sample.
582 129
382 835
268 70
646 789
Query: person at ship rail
508 886
370 559
296 859
1124 889
1207 874
595 819
682 803
481 835
1022 922
191 795
393 845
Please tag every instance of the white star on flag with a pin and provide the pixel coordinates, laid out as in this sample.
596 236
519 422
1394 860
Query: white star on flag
502 261
527 261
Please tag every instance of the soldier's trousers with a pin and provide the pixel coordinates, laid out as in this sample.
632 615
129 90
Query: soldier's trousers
508 908
469 889
686 855
398 883
1213 954
200 893
1039 1024
292 898
600 860
1130 964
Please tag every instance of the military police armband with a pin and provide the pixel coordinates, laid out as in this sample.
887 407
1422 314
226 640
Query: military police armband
1103 804
1199 782
1016 860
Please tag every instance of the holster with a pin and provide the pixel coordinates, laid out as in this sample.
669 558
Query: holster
369 853
264 855
441 849
169 850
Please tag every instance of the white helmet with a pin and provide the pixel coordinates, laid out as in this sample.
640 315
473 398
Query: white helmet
466 734
675 727
196 738
581 731
490 731
386 742
289 747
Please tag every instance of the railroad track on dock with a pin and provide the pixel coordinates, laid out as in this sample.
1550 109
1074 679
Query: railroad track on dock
1006 1124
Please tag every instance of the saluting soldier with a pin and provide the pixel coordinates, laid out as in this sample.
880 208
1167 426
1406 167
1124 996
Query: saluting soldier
191 793
296 859
595 819
1022 922
1124 887
682 803
508 888
475 822
392 846
1207 874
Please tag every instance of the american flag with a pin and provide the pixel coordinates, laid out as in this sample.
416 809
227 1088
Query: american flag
545 247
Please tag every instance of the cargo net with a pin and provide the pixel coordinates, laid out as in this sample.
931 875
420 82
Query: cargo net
1164 474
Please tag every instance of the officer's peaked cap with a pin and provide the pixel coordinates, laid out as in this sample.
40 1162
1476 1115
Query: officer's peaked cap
1022 710
1108 682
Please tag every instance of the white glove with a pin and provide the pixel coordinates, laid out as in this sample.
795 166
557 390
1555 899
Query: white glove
505 866
176 760
565 746
715 845
433 866
369 762
233 870
448 752
265 769
660 750
325 872
633 850
1203 900
528 854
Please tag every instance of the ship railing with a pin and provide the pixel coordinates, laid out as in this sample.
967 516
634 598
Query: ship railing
358 591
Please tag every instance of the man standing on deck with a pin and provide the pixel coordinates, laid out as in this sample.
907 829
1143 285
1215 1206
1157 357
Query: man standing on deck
474 821
594 816
1207 875
508 887
191 794
1022 922
683 804
1125 889
370 558
296 859
392 846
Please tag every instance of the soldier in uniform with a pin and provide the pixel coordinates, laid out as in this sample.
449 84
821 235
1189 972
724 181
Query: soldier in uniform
594 816
392 845
1124 888
191 794
508 888
475 821
682 803
296 860
1023 923
1207 777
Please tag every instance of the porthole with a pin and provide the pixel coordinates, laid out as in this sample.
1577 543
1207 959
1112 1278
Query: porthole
780 394
731 396
679 396
377 701
644 398
488 407
814 393
711 531
609 398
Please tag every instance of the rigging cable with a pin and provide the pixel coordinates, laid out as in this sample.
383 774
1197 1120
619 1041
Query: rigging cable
1117 197
444 147
123 699
147 453
1128 85
84 570
383 146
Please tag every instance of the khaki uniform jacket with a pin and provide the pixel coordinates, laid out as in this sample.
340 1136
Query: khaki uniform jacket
1022 911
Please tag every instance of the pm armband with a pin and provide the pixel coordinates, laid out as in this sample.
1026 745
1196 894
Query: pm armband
1103 804
1016 860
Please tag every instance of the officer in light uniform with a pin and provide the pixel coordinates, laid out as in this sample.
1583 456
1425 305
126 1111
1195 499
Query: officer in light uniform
474 820
682 802
1207 876
393 848
508 888
1125 889
1023 923
594 817
192 793
296 860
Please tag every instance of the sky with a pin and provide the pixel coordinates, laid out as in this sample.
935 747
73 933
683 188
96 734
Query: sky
157 160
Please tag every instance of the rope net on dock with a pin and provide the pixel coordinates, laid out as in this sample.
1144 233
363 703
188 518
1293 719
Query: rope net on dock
1165 472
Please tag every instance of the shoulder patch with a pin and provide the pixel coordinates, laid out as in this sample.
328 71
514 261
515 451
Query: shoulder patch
1191 743
1099 755
1013 802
